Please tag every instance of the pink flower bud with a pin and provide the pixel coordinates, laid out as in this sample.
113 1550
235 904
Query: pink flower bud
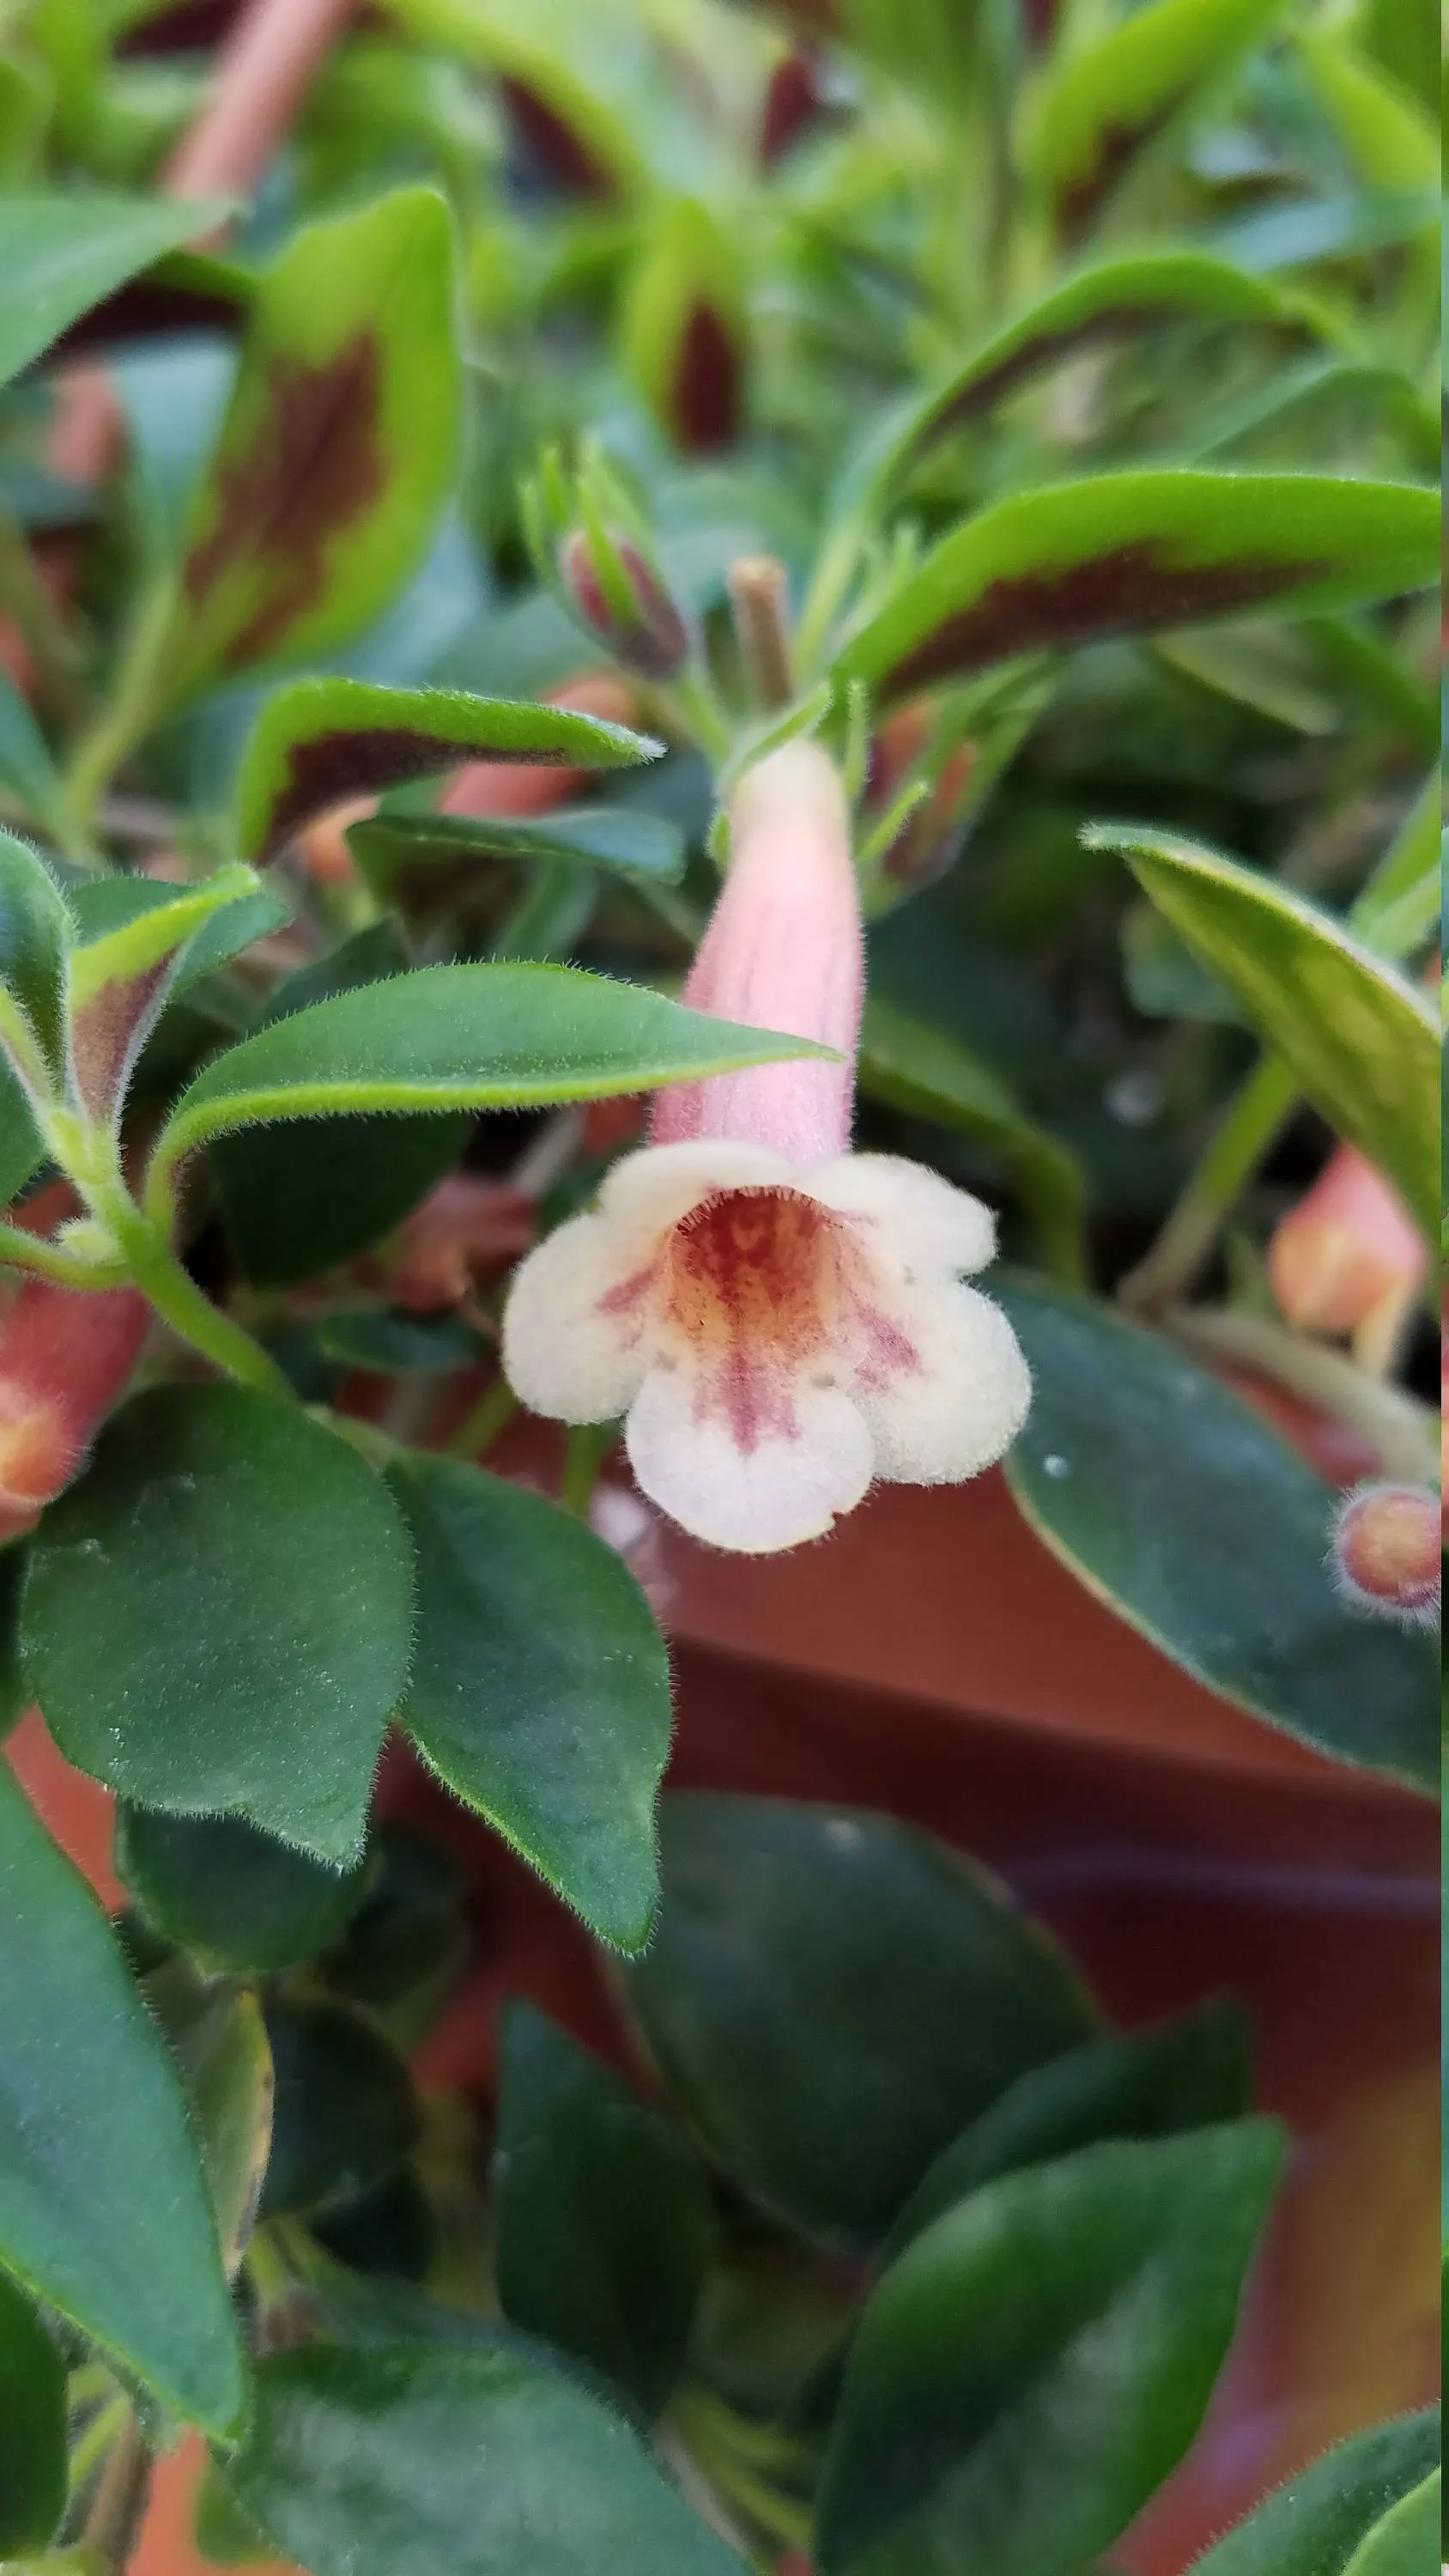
1387 1553
652 639
65 1357
1345 1249
784 950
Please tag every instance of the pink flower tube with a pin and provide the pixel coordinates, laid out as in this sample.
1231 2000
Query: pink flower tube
779 1321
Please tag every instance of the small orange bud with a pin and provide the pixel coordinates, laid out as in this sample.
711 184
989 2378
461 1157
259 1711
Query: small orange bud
1387 1554
65 1357
1348 1258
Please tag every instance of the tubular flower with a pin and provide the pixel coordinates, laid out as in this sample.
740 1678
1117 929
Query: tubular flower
779 1320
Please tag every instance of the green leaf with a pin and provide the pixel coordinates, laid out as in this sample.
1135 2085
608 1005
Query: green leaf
104 907
1190 2074
234 1897
1313 2526
1398 909
321 741
1030 2369
1106 304
103 2211
424 856
35 939
408 1938
540 1686
25 762
32 2427
1101 104
683 326
1142 1472
392 1341
1125 554
300 1199
61 254
603 2220
1409 2539
138 952
1359 1040
1385 132
219 2041
346 2116
21 1149
217 1617
13 1701
831 1996
402 2460
458 1037
338 446
930 1074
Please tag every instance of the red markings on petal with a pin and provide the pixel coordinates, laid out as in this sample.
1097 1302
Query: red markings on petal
763 1289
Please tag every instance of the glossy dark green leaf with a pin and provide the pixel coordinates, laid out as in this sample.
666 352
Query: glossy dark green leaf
1409 2540
323 740
32 2427
12 1684
928 1072
831 1996
234 1897
1314 2525
391 1341
1129 553
103 2210
1363 1043
299 1199
1030 2369
35 939
345 2116
218 2039
405 2460
406 856
217 1616
338 446
540 1686
61 254
1190 2074
603 2220
1142 1472
458 1037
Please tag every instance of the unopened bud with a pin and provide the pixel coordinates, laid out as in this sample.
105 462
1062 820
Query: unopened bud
1348 1248
65 1358
631 612
931 831
1387 1552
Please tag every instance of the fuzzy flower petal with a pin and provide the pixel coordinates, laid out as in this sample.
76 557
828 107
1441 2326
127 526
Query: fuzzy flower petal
965 1400
572 1348
915 1216
789 1486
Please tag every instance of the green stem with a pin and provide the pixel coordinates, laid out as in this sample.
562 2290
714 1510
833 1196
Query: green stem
829 589
173 1292
484 1422
587 1446
22 1251
96 2440
125 719
697 712
1254 1118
